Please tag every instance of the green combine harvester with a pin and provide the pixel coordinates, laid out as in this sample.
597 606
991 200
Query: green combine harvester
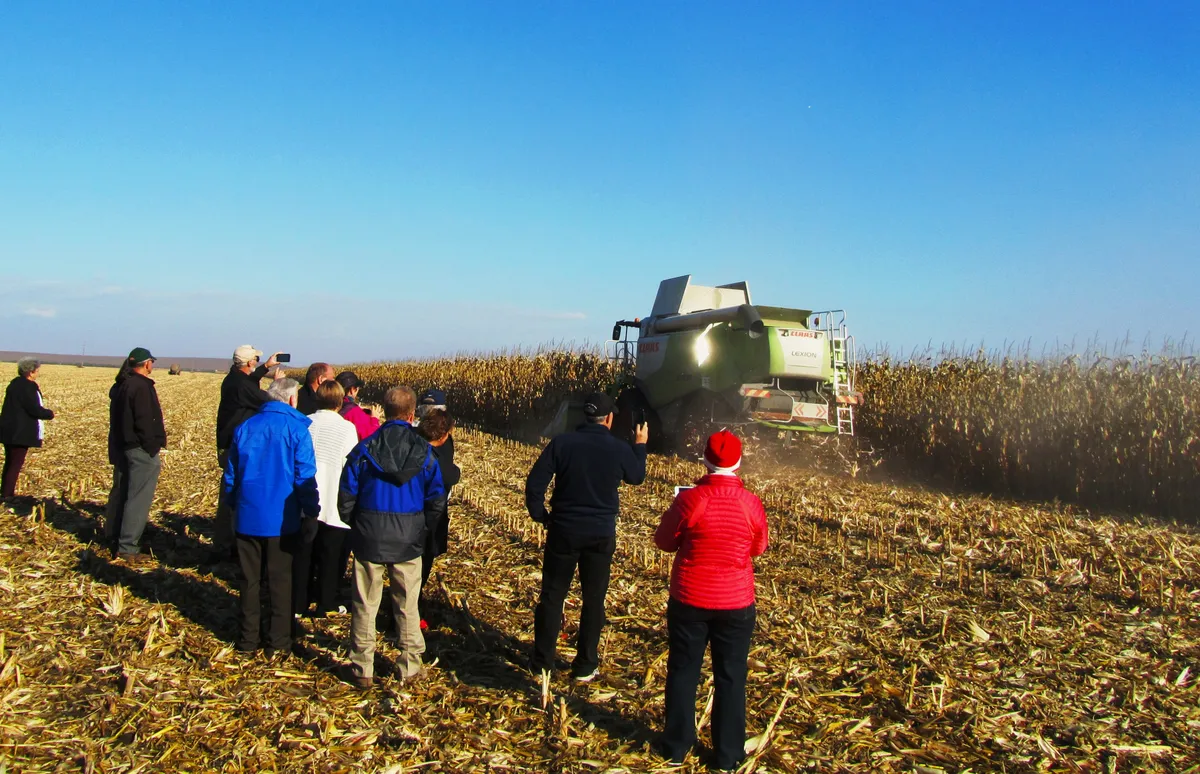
708 356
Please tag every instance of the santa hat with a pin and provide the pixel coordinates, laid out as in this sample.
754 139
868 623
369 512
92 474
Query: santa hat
723 453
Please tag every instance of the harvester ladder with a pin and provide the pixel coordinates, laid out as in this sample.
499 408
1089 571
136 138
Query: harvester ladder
841 347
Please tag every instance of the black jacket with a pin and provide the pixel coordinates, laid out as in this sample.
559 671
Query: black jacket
21 412
137 418
306 400
116 455
241 397
587 466
451 473
391 494
438 541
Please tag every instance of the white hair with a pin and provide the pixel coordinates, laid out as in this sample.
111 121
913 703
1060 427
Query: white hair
425 408
283 390
27 365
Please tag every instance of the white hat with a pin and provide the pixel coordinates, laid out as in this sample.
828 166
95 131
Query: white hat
245 353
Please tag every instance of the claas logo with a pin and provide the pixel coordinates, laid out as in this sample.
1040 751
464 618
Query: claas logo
795 333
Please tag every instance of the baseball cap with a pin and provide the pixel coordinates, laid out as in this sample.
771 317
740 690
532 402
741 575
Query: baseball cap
348 379
246 353
433 398
597 404
140 355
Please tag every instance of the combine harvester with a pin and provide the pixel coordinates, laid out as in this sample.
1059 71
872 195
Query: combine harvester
707 356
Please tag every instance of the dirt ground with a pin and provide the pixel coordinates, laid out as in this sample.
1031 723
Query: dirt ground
899 629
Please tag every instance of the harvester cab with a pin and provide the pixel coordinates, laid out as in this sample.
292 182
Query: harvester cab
709 354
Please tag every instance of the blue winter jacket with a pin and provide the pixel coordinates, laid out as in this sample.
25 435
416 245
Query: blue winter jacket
391 494
271 474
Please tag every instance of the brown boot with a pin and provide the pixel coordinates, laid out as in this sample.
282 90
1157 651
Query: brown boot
349 673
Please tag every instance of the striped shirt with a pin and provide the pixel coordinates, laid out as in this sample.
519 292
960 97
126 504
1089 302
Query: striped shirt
333 438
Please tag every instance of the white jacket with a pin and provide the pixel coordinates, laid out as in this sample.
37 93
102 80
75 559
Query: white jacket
333 438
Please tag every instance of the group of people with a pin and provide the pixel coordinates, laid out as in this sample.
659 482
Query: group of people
311 479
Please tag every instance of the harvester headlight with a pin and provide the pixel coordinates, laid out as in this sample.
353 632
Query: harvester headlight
702 348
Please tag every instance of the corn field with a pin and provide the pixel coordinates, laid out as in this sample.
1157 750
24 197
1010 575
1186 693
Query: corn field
1121 434
508 393
899 629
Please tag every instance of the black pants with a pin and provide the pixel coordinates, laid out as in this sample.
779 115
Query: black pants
593 555
274 556
302 565
224 525
14 459
689 630
330 561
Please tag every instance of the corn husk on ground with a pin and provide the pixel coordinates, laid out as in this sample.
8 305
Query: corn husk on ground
899 630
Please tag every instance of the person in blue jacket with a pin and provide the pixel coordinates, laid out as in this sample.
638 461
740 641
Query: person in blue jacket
391 495
271 484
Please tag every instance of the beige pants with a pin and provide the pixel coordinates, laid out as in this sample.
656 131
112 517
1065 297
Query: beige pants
405 590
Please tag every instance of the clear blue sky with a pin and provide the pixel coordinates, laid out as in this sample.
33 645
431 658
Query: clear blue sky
381 180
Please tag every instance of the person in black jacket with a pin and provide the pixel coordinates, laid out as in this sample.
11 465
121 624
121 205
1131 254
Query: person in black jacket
306 399
21 422
435 427
241 398
136 427
116 458
587 466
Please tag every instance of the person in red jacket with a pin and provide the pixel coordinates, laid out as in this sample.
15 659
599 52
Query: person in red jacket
714 529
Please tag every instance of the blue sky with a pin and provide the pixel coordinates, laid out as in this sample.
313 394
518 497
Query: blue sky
385 180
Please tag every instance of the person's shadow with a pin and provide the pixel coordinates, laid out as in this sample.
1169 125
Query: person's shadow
204 602
468 649
481 655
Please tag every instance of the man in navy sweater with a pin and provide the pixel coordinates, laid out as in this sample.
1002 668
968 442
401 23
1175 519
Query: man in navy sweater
587 466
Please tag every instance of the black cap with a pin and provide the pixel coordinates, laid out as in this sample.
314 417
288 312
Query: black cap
348 379
433 398
140 355
597 404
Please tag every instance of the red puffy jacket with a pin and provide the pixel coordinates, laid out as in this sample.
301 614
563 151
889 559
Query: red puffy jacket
715 529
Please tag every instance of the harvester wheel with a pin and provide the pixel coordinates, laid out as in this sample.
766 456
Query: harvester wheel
702 414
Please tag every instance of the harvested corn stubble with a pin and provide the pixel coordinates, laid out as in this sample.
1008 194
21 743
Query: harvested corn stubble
879 646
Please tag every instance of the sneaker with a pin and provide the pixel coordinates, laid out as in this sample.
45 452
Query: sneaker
347 673
587 678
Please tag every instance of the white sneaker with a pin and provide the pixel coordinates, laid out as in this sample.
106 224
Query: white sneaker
590 676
